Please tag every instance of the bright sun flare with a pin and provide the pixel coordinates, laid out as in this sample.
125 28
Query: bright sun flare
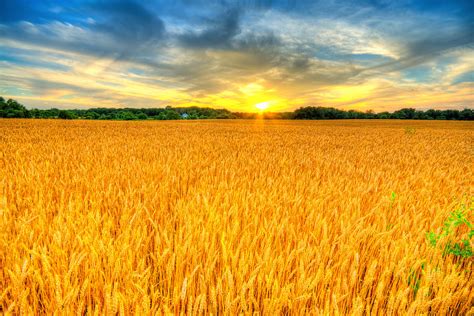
262 106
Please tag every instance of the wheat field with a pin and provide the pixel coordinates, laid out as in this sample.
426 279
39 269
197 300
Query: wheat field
232 217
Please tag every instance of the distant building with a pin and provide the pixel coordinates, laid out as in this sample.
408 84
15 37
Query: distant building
184 115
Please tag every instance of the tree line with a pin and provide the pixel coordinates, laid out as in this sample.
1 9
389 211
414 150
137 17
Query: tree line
322 113
12 109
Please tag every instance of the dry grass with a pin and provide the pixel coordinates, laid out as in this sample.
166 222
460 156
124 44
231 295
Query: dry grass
233 217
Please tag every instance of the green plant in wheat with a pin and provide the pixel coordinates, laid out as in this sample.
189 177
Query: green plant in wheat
410 131
414 278
453 238
393 197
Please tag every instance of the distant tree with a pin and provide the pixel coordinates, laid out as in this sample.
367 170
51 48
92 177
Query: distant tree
383 115
66 115
104 117
142 116
169 114
406 113
432 114
420 115
13 109
322 113
466 114
91 115
451 114
126 115
370 114
51 113
35 113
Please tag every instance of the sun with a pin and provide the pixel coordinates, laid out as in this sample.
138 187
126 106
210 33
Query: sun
262 106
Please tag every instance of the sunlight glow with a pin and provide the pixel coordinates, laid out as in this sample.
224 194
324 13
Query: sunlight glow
262 106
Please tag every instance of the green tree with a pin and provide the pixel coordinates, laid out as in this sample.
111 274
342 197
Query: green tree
66 115
12 109
142 116
169 114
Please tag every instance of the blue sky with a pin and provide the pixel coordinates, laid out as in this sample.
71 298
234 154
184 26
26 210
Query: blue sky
380 55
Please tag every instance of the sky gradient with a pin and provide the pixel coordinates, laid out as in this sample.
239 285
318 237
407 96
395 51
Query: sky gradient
378 55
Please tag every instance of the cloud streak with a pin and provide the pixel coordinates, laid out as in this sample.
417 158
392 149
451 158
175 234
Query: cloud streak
345 54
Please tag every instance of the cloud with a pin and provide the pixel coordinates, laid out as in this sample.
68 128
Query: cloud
439 43
422 50
128 22
121 29
218 33
207 52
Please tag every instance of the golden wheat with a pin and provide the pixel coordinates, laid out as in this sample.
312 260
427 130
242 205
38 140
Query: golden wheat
231 217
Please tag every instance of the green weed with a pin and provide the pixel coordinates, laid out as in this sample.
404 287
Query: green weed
414 278
454 242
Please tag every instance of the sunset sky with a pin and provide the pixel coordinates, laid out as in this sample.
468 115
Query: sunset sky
379 55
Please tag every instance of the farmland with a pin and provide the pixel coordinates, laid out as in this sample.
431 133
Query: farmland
207 217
